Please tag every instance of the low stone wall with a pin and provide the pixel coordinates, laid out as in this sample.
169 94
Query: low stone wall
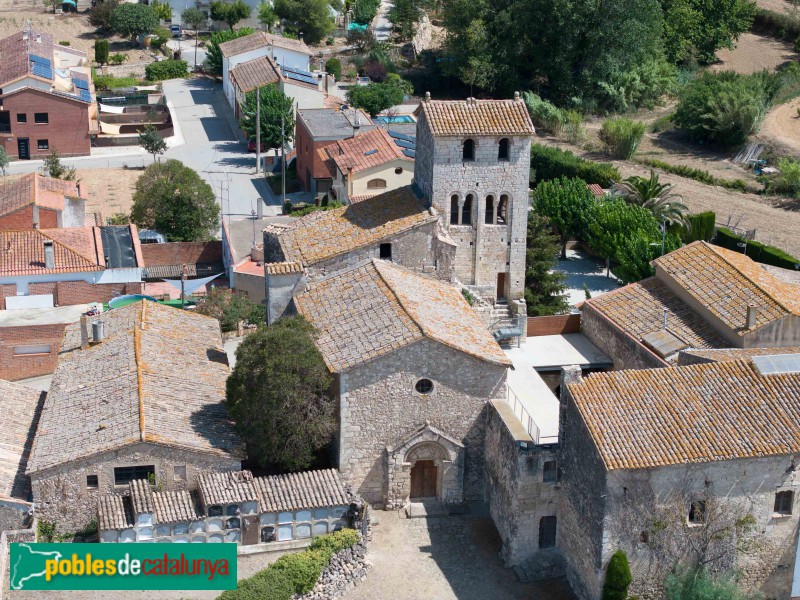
9 537
346 570
125 70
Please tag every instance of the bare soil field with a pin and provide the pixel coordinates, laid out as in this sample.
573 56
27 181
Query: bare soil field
781 127
754 53
778 6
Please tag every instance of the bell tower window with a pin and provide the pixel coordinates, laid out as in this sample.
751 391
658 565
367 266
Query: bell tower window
466 210
454 210
468 152
502 210
489 218
503 150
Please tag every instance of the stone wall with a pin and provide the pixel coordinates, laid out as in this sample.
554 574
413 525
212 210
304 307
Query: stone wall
6 538
624 351
518 496
380 407
60 494
346 570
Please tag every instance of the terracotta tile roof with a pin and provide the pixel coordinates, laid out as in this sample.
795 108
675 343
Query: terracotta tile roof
113 512
76 250
360 198
118 511
283 268
375 308
726 282
33 188
696 356
275 493
175 506
14 54
596 190
255 73
364 151
638 309
261 39
19 414
694 414
182 253
327 233
332 102
157 377
141 496
476 117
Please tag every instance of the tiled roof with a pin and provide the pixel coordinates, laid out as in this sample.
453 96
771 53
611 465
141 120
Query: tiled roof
113 512
292 491
284 268
364 151
333 102
141 496
117 511
694 356
360 198
693 414
175 506
19 413
255 73
378 307
261 39
14 54
476 117
638 309
726 282
596 190
33 188
182 253
158 377
327 233
288 43
75 250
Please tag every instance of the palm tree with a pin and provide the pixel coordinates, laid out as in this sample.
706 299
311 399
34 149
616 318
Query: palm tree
656 197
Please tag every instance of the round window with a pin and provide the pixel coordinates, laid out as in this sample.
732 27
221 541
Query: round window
398 170
424 386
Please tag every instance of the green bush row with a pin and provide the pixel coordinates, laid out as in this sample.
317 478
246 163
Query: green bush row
293 573
108 82
769 255
548 162
166 69
696 174
701 227
778 25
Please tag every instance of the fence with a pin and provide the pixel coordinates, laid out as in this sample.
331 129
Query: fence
554 325
523 415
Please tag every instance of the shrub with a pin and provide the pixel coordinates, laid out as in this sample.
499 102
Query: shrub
336 542
661 124
314 208
573 126
101 52
696 174
334 67
162 36
365 10
618 577
780 25
109 82
701 227
375 71
166 69
548 163
64 43
621 136
100 15
787 181
118 58
768 255
544 114
694 584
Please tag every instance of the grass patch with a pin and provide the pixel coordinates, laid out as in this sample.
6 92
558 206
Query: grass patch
108 82
698 175
663 123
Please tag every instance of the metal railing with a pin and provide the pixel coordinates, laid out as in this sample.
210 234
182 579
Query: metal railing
521 413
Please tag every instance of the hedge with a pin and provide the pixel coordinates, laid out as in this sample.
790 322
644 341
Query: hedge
549 163
293 573
697 174
768 255
701 227
166 69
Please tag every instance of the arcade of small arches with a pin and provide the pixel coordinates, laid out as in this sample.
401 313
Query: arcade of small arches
462 209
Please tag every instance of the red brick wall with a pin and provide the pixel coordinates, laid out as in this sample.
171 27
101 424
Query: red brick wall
7 289
32 365
23 219
80 292
304 149
67 130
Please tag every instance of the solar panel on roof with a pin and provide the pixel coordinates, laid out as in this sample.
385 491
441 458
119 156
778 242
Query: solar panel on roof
401 136
406 144
81 84
298 71
777 363
40 60
409 153
303 78
86 96
370 152
41 70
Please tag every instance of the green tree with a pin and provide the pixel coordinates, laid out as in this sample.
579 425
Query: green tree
697 584
162 10
230 13
312 18
229 308
664 204
612 221
4 161
544 287
100 14
214 55
333 66
618 577
377 97
194 18
404 15
172 199
54 167
639 248
364 11
266 15
280 385
101 51
567 204
133 20
152 142
274 105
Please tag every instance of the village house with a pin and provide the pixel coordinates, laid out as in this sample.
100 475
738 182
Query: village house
702 296
414 369
138 393
48 97
687 464
369 164
167 260
37 202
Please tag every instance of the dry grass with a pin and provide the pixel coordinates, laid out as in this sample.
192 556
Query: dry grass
110 190
754 53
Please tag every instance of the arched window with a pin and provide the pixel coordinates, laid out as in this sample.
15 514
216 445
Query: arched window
503 149
468 152
502 210
454 212
376 184
489 219
466 211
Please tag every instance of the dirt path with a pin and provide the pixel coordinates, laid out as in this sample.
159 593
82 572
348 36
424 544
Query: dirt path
754 53
445 558
781 127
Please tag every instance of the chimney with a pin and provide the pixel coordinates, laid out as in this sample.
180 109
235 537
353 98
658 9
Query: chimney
516 96
98 333
357 124
752 316
300 36
35 216
84 332
427 97
49 255
78 187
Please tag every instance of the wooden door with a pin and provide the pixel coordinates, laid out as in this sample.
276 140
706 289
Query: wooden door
502 278
250 530
23 148
423 479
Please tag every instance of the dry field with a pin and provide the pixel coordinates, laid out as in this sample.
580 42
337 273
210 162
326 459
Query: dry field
777 6
781 128
754 53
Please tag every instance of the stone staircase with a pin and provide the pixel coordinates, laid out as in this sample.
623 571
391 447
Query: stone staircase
545 565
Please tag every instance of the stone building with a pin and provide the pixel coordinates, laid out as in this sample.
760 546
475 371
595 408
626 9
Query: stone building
414 369
702 296
472 165
141 396
681 465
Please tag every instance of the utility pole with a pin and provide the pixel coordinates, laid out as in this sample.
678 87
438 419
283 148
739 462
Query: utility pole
283 165
258 130
196 35
663 235
183 280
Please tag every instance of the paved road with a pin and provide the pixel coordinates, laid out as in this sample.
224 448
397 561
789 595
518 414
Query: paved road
381 25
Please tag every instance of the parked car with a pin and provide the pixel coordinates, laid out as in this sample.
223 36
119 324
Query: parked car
176 30
251 145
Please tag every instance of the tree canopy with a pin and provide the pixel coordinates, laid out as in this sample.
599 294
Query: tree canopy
377 97
278 394
266 14
100 15
172 199
312 18
194 17
567 205
230 13
229 308
274 104
214 54
544 287
133 19
152 142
